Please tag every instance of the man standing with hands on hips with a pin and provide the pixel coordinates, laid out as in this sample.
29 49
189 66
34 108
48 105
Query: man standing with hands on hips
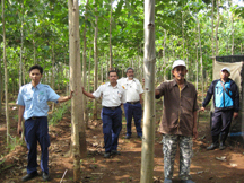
32 101
179 121
133 102
112 97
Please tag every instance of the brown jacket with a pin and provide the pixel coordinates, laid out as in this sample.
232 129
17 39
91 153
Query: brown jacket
179 106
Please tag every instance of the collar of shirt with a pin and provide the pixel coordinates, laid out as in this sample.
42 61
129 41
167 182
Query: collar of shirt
109 84
133 79
186 84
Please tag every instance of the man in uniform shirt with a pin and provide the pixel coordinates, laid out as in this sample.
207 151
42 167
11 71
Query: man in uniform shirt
179 121
32 101
112 98
133 102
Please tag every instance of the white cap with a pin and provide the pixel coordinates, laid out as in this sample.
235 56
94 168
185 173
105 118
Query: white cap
225 69
178 63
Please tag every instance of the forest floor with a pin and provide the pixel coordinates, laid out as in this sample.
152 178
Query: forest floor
217 166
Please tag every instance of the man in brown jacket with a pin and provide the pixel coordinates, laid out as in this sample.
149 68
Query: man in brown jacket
179 121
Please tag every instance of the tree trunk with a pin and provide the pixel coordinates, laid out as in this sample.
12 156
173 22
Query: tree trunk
6 72
53 70
84 77
200 46
212 38
183 37
217 26
75 83
1 90
95 69
148 139
111 51
233 29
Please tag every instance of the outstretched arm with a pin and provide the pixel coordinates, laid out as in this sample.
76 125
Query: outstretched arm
65 98
87 94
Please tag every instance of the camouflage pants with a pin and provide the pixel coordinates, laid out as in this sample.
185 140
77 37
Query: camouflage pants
169 149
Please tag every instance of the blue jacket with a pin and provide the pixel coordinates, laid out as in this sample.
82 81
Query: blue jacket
223 99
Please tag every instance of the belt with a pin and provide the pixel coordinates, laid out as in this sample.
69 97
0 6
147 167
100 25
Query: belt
35 117
111 108
133 102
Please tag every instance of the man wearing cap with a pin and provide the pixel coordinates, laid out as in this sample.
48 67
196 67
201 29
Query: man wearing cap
112 97
133 102
226 102
179 121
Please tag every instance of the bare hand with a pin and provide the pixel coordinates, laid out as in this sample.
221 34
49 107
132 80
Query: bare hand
71 94
83 90
19 130
143 81
195 133
202 108
235 115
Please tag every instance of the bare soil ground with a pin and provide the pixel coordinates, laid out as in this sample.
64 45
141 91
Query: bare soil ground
226 166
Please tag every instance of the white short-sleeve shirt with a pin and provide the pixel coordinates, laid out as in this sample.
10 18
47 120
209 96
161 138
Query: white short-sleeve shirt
111 96
133 89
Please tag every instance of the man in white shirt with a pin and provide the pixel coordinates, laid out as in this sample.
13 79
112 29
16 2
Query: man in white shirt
112 98
133 102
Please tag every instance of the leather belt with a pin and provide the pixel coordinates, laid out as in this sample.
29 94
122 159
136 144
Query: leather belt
111 108
36 117
133 102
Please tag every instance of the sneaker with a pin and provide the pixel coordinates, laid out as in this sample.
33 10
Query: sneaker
140 137
29 176
222 146
213 146
115 152
107 155
187 181
46 177
127 137
167 180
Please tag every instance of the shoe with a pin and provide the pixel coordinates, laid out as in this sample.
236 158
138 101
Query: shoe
46 177
107 155
127 137
29 176
167 180
212 146
140 137
115 152
222 146
187 181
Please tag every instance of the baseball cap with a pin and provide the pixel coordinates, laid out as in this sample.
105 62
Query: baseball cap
129 68
178 63
225 69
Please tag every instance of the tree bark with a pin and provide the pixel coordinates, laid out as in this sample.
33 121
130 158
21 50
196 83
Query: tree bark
200 47
75 84
84 76
95 68
233 30
217 26
111 51
6 72
148 138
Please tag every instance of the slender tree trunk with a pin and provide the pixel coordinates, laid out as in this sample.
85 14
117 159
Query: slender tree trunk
111 51
217 26
200 46
233 30
53 70
21 44
164 66
183 37
89 69
34 47
75 83
212 38
1 90
6 71
95 69
148 139
84 77
241 48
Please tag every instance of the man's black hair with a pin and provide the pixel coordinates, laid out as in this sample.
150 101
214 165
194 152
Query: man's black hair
36 67
113 71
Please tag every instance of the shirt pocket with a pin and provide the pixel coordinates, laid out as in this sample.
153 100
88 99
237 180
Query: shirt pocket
41 99
28 100
187 105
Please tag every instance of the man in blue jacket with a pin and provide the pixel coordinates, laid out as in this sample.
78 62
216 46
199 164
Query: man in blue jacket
226 102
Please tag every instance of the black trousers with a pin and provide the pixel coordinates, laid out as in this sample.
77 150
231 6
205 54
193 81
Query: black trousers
220 126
